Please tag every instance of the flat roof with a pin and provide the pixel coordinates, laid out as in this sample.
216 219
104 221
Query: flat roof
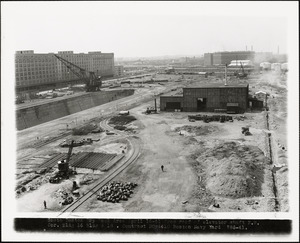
218 85
171 96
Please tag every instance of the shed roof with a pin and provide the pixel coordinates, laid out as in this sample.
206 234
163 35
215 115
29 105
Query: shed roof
260 92
218 85
171 96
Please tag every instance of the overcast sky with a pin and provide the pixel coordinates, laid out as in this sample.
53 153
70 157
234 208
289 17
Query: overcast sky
141 29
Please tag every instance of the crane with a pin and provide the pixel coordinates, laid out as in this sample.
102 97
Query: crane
63 167
242 73
92 83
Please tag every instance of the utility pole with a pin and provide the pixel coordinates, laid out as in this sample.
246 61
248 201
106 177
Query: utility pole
225 74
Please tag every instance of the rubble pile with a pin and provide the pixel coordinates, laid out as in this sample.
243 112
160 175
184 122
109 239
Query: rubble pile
121 120
86 129
65 195
116 191
234 170
86 180
196 130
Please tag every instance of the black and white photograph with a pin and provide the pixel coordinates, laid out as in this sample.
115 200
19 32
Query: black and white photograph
150 121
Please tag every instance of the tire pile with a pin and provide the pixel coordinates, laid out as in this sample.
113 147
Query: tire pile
116 191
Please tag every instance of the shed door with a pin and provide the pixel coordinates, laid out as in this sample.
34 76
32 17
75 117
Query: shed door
173 106
201 104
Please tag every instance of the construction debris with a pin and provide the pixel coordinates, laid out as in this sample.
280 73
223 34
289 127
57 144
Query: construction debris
84 141
196 130
64 195
116 191
245 131
86 180
86 129
121 120
207 118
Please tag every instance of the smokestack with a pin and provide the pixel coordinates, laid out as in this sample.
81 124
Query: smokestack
251 48
246 48
225 74
278 50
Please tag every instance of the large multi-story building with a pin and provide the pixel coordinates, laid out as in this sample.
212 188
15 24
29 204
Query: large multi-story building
222 58
33 70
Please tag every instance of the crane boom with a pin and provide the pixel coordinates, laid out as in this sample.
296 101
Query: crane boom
70 151
71 66
92 82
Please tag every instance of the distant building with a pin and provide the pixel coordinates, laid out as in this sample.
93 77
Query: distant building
265 66
208 59
276 67
119 70
263 57
239 63
208 98
222 58
34 70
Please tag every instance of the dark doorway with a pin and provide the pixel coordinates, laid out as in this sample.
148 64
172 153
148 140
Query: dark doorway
201 104
173 106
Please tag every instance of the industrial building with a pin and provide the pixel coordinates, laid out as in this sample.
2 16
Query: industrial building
222 58
210 98
34 70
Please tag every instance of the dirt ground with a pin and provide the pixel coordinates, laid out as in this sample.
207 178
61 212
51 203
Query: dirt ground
182 187
207 167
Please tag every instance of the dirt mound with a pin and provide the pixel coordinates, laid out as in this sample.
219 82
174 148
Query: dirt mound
197 130
234 170
85 129
121 120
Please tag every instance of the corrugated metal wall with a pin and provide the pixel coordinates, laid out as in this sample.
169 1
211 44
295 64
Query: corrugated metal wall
166 99
217 98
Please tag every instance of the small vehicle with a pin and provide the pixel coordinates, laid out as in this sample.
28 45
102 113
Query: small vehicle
124 113
150 110
66 143
109 132
97 130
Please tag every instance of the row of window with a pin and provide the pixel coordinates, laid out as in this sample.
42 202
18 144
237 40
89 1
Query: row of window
33 73
19 78
39 81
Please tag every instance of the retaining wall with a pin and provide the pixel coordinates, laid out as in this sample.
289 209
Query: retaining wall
35 115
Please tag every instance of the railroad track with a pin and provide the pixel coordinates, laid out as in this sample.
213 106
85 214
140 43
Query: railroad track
83 200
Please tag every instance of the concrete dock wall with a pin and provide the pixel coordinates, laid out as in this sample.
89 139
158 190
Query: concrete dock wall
35 115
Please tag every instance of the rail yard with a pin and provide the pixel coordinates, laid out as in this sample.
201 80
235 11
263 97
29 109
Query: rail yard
158 161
